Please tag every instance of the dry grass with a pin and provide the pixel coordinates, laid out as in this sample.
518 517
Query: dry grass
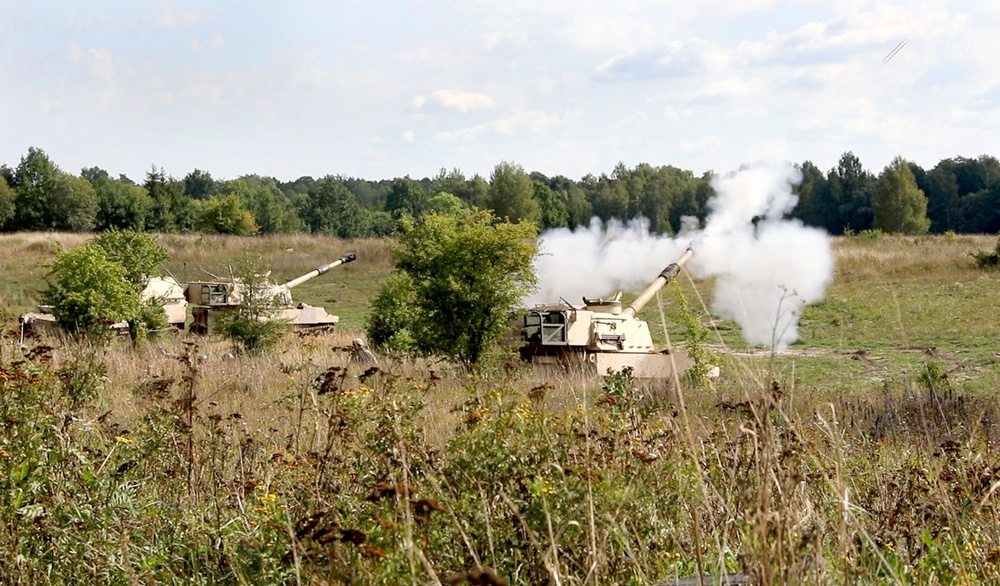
822 466
913 257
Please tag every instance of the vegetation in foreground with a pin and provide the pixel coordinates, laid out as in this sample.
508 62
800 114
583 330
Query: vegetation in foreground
867 455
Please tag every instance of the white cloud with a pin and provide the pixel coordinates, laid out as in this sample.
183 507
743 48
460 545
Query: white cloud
408 136
730 87
100 63
464 102
525 122
216 42
701 145
206 90
675 59
171 16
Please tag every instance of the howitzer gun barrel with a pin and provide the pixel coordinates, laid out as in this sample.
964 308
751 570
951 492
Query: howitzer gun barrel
665 276
350 256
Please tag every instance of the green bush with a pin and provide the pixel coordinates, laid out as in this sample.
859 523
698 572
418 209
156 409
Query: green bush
988 260
88 292
255 325
466 274
392 317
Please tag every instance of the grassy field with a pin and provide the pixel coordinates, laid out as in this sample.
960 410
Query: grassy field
867 453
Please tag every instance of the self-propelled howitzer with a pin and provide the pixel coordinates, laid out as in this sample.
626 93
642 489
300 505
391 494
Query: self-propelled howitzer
208 296
598 336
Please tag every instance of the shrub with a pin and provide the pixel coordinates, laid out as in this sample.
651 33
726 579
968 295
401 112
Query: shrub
88 291
988 260
393 316
466 273
254 326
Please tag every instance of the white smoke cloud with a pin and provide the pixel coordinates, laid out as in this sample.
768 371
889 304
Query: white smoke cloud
767 267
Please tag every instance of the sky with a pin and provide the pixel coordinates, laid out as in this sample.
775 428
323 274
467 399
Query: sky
384 89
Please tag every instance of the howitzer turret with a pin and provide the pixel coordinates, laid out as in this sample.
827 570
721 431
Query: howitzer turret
207 296
598 336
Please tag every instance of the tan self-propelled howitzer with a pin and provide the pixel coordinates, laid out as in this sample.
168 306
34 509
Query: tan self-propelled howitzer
164 291
598 336
208 296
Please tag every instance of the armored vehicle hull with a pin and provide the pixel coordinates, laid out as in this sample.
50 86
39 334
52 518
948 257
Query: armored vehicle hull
599 337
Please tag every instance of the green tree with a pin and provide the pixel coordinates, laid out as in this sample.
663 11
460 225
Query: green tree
392 320
120 204
578 208
255 325
941 189
899 205
852 188
370 195
444 203
406 196
171 210
50 199
511 194
468 274
980 211
88 291
662 195
473 191
72 204
199 184
608 197
137 252
223 215
380 223
333 210
272 210
975 175
816 206
476 192
34 178
139 255
7 196
554 213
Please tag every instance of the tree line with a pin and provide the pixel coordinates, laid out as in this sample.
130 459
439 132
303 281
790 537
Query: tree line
958 195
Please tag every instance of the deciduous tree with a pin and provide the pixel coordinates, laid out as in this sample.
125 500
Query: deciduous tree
120 204
88 291
333 210
511 195
899 205
272 210
468 274
406 196
140 255
50 199
6 202
224 215
255 326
